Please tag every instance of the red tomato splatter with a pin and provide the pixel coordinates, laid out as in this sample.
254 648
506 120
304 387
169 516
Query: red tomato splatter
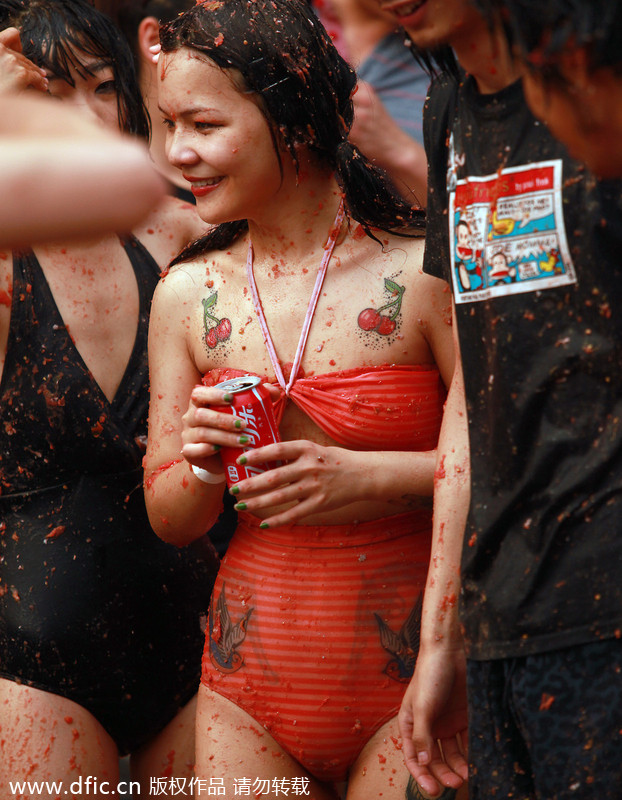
440 472
57 531
546 701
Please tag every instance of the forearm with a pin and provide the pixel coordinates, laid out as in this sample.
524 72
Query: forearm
182 507
383 141
66 206
451 505
398 477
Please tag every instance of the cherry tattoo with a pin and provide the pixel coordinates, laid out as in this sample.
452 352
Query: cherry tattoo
216 330
372 319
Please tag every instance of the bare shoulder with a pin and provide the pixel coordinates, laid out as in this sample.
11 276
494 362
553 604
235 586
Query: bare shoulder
172 209
409 253
6 277
406 249
387 252
403 256
190 278
6 294
178 285
169 227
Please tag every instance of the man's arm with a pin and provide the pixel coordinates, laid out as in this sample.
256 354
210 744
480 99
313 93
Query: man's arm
434 707
381 139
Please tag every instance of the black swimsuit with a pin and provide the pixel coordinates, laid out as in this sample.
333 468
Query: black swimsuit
93 606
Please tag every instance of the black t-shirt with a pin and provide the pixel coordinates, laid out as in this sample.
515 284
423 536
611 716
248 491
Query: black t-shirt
531 245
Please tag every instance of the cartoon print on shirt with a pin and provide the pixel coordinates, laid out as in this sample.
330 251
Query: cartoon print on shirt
507 232
468 261
500 270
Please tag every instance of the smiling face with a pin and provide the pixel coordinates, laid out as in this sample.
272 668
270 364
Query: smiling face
219 139
93 92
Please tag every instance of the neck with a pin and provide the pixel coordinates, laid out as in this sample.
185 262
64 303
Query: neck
362 29
486 56
296 229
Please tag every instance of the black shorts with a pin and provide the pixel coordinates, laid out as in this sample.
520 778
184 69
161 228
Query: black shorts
547 726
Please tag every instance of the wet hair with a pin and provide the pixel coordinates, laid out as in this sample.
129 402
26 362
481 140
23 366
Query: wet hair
50 32
130 13
540 32
304 88
437 60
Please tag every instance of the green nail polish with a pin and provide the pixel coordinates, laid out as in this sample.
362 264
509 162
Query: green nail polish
216 447
234 490
264 525
240 506
238 423
242 460
228 398
243 439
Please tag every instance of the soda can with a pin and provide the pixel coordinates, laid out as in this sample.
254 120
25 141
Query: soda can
251 403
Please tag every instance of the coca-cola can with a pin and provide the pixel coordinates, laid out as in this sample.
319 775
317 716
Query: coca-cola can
251 403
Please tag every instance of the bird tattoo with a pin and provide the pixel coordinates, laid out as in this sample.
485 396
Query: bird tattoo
402 646
225 637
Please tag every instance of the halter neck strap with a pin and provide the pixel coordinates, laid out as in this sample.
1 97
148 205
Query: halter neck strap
304 335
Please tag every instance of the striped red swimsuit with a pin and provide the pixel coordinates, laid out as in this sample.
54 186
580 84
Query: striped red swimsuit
313 630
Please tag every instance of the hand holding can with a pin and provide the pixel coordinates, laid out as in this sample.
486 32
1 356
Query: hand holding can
251 402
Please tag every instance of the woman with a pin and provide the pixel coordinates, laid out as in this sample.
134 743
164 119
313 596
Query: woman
100 622
313 623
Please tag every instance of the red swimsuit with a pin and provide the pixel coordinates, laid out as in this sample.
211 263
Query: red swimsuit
313 630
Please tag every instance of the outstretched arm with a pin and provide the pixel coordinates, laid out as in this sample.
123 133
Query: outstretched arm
62 175
434 707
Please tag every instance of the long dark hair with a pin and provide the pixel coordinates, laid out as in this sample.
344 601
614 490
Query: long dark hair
288 60
51 29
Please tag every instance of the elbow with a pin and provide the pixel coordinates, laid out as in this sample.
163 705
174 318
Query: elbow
178 531
165 529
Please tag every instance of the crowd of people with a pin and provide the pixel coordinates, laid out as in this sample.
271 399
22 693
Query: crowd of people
420 598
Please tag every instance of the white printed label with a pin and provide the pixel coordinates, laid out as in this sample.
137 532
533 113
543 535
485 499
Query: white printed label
507 233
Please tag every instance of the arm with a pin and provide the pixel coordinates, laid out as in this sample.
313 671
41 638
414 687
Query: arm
65 177
182 428
434 706
62 175
381 139
317 478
